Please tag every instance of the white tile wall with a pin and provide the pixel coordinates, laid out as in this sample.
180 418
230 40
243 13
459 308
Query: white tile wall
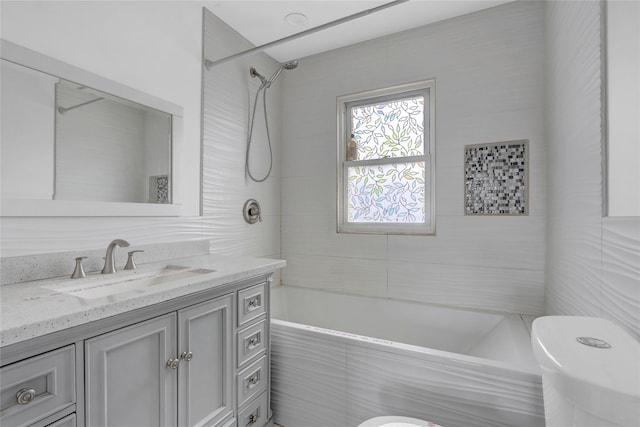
489 76
320 381
593 263
229 93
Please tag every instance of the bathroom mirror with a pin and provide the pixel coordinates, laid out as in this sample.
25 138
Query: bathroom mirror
622 47
76 144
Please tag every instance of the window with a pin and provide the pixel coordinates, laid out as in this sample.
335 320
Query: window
386 158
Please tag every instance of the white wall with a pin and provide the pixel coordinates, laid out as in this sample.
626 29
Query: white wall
593 262
27 97
229 93
489 73
153 46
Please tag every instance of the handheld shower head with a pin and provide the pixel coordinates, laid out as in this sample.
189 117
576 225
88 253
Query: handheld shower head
290 65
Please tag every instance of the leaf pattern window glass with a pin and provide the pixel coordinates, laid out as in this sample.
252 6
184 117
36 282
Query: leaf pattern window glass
385 158
390 193
389 129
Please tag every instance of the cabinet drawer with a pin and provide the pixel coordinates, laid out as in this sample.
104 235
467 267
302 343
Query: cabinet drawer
37 387
252 381
255 414
68 421
251 303
251 342
229 423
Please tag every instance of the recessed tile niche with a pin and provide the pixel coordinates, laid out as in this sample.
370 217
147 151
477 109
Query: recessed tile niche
496 178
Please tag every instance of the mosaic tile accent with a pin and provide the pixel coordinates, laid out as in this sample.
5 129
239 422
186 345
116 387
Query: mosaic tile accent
496 178
159 189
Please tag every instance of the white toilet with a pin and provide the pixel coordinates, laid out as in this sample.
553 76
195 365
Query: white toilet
590 372
396 421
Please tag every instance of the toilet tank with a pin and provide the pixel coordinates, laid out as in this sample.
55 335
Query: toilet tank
590 372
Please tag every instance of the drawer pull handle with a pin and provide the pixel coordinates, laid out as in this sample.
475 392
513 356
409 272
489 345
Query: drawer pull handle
186 356
253 381
173 363
25 396
254 304
252 419
253 342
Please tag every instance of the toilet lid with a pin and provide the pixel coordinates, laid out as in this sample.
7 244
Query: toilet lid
396 421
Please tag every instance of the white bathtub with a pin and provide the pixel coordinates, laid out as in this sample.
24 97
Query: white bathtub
339 359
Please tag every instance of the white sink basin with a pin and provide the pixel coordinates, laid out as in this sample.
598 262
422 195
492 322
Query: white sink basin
100 286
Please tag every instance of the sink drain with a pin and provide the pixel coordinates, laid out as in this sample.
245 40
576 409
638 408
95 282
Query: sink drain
593 342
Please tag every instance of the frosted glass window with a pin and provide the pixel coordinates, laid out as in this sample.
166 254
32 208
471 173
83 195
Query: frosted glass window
385 153
387 193
389 129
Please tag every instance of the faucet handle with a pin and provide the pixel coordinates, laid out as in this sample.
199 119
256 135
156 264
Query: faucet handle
78 272
131 265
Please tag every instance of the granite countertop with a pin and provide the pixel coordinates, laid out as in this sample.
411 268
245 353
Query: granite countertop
32 309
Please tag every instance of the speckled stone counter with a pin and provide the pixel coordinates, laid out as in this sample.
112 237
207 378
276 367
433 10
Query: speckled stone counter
32 309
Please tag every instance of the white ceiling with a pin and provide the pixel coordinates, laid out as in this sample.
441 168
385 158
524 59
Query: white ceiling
262 21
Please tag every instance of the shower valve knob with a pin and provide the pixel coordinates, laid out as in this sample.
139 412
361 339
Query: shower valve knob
251 211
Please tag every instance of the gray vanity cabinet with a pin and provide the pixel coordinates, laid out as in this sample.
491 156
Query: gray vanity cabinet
127 380
205 372
172 370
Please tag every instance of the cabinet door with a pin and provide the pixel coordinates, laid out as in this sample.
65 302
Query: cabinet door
128 382
205 392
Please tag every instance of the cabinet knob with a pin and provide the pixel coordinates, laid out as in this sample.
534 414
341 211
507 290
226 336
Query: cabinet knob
253 381
252 419
25 395
253 342
173 363
187 355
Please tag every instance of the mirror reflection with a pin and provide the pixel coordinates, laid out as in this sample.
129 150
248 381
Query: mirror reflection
65 141
120 150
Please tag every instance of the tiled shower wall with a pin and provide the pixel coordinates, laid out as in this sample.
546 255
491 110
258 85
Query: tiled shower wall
229 93
593 262
489 74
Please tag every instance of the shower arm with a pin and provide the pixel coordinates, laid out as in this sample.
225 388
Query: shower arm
63 110
208 63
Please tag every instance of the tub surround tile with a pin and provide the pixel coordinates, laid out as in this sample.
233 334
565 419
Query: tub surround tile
621 272
349 275
309 380
382 383
228 92
382 378
309 195
489 72
493 289
231 235
316 235
28 310
506 242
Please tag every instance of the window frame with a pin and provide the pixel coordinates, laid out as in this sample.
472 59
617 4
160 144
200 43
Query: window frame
426 88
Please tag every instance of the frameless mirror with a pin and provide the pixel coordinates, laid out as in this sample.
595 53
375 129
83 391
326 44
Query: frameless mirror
76 144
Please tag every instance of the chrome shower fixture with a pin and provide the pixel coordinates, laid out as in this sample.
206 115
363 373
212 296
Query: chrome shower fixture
290 65
264 85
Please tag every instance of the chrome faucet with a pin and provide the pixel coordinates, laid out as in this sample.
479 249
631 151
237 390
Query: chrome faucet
109 262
